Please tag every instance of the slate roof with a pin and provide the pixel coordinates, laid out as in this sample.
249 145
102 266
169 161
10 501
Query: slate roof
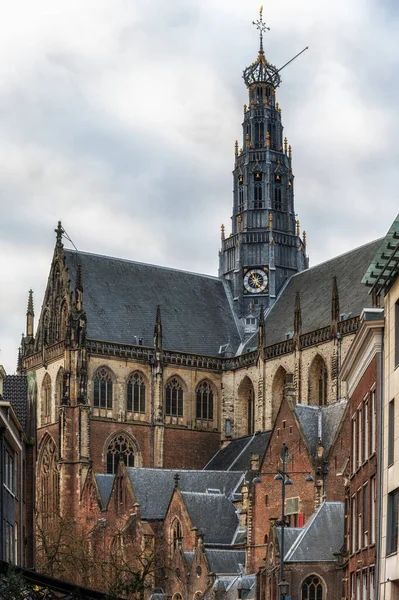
120 299
315 288
15 391
104 484
237 454
327 418
226 562
214 515
153 488
321 537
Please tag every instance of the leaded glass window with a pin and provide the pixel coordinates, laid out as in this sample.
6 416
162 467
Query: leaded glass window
204 396
174 398
136 393
102 389
312 588
120 448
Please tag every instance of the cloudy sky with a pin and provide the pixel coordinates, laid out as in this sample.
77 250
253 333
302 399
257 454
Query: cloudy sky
119 117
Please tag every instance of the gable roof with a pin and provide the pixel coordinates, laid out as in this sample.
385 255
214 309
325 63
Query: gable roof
237 454
214 515
15 391
120 299
320 421
315 288
226 562
153 488
104 483
322 536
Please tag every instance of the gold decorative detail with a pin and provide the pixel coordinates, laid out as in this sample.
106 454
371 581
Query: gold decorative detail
289 152
266 101
239 221
252 103
270 221
245 108
268 139
240 150
285 145
222 232
240 179
277 106
298 231
247 140
236 148
304 238
261 10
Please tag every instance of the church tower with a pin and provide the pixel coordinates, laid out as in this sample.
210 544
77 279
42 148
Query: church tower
264 248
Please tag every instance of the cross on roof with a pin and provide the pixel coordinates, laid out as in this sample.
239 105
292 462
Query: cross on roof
262 27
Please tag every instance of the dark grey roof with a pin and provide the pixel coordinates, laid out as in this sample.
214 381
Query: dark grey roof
315 288
15 391
321 537
320 422
153 488
189 556
291 534
104 484
226 562
214 515
120 299
237 454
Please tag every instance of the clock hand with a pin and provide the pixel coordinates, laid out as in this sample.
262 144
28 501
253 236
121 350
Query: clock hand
255 280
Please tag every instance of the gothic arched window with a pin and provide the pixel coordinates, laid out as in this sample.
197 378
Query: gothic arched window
278 205
174 398
136 393
318 382
46 399
312 588
204 396
47 489
241 197
120 448
176 534
258 195
102 389
259 133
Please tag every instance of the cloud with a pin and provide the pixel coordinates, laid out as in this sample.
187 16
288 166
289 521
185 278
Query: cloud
120 118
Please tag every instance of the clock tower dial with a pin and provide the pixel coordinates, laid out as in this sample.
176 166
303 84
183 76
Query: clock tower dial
255 281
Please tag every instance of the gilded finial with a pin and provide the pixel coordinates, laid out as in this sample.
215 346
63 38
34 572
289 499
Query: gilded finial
298 230
270 221
268 139
285 145
277 106
304 238
245 108
222 232
289 152
236 148
247 140
261 26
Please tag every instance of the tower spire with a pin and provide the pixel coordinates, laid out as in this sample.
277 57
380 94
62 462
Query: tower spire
261 26
30 314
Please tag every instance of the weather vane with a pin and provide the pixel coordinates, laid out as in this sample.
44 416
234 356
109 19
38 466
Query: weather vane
261 26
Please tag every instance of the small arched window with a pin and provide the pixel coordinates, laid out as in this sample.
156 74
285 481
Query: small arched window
241 198
120 448
102 389
312 588
258 195
176 534
46 399
277 198
204 396
174 398
136 393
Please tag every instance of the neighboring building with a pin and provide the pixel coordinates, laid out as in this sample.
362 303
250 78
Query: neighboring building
16 472
310 557
363 372
316 441
383 278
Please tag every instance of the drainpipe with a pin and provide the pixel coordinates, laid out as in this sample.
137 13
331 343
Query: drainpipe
380 378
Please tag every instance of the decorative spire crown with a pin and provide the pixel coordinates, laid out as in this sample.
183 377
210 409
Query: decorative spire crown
261 71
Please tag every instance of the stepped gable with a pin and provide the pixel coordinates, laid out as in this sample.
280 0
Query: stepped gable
237 454
226 562
321 538
214 515
153 488
104 484
121 299
15 391
315 286
325 420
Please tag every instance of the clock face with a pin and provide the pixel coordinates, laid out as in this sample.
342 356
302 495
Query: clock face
255 281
